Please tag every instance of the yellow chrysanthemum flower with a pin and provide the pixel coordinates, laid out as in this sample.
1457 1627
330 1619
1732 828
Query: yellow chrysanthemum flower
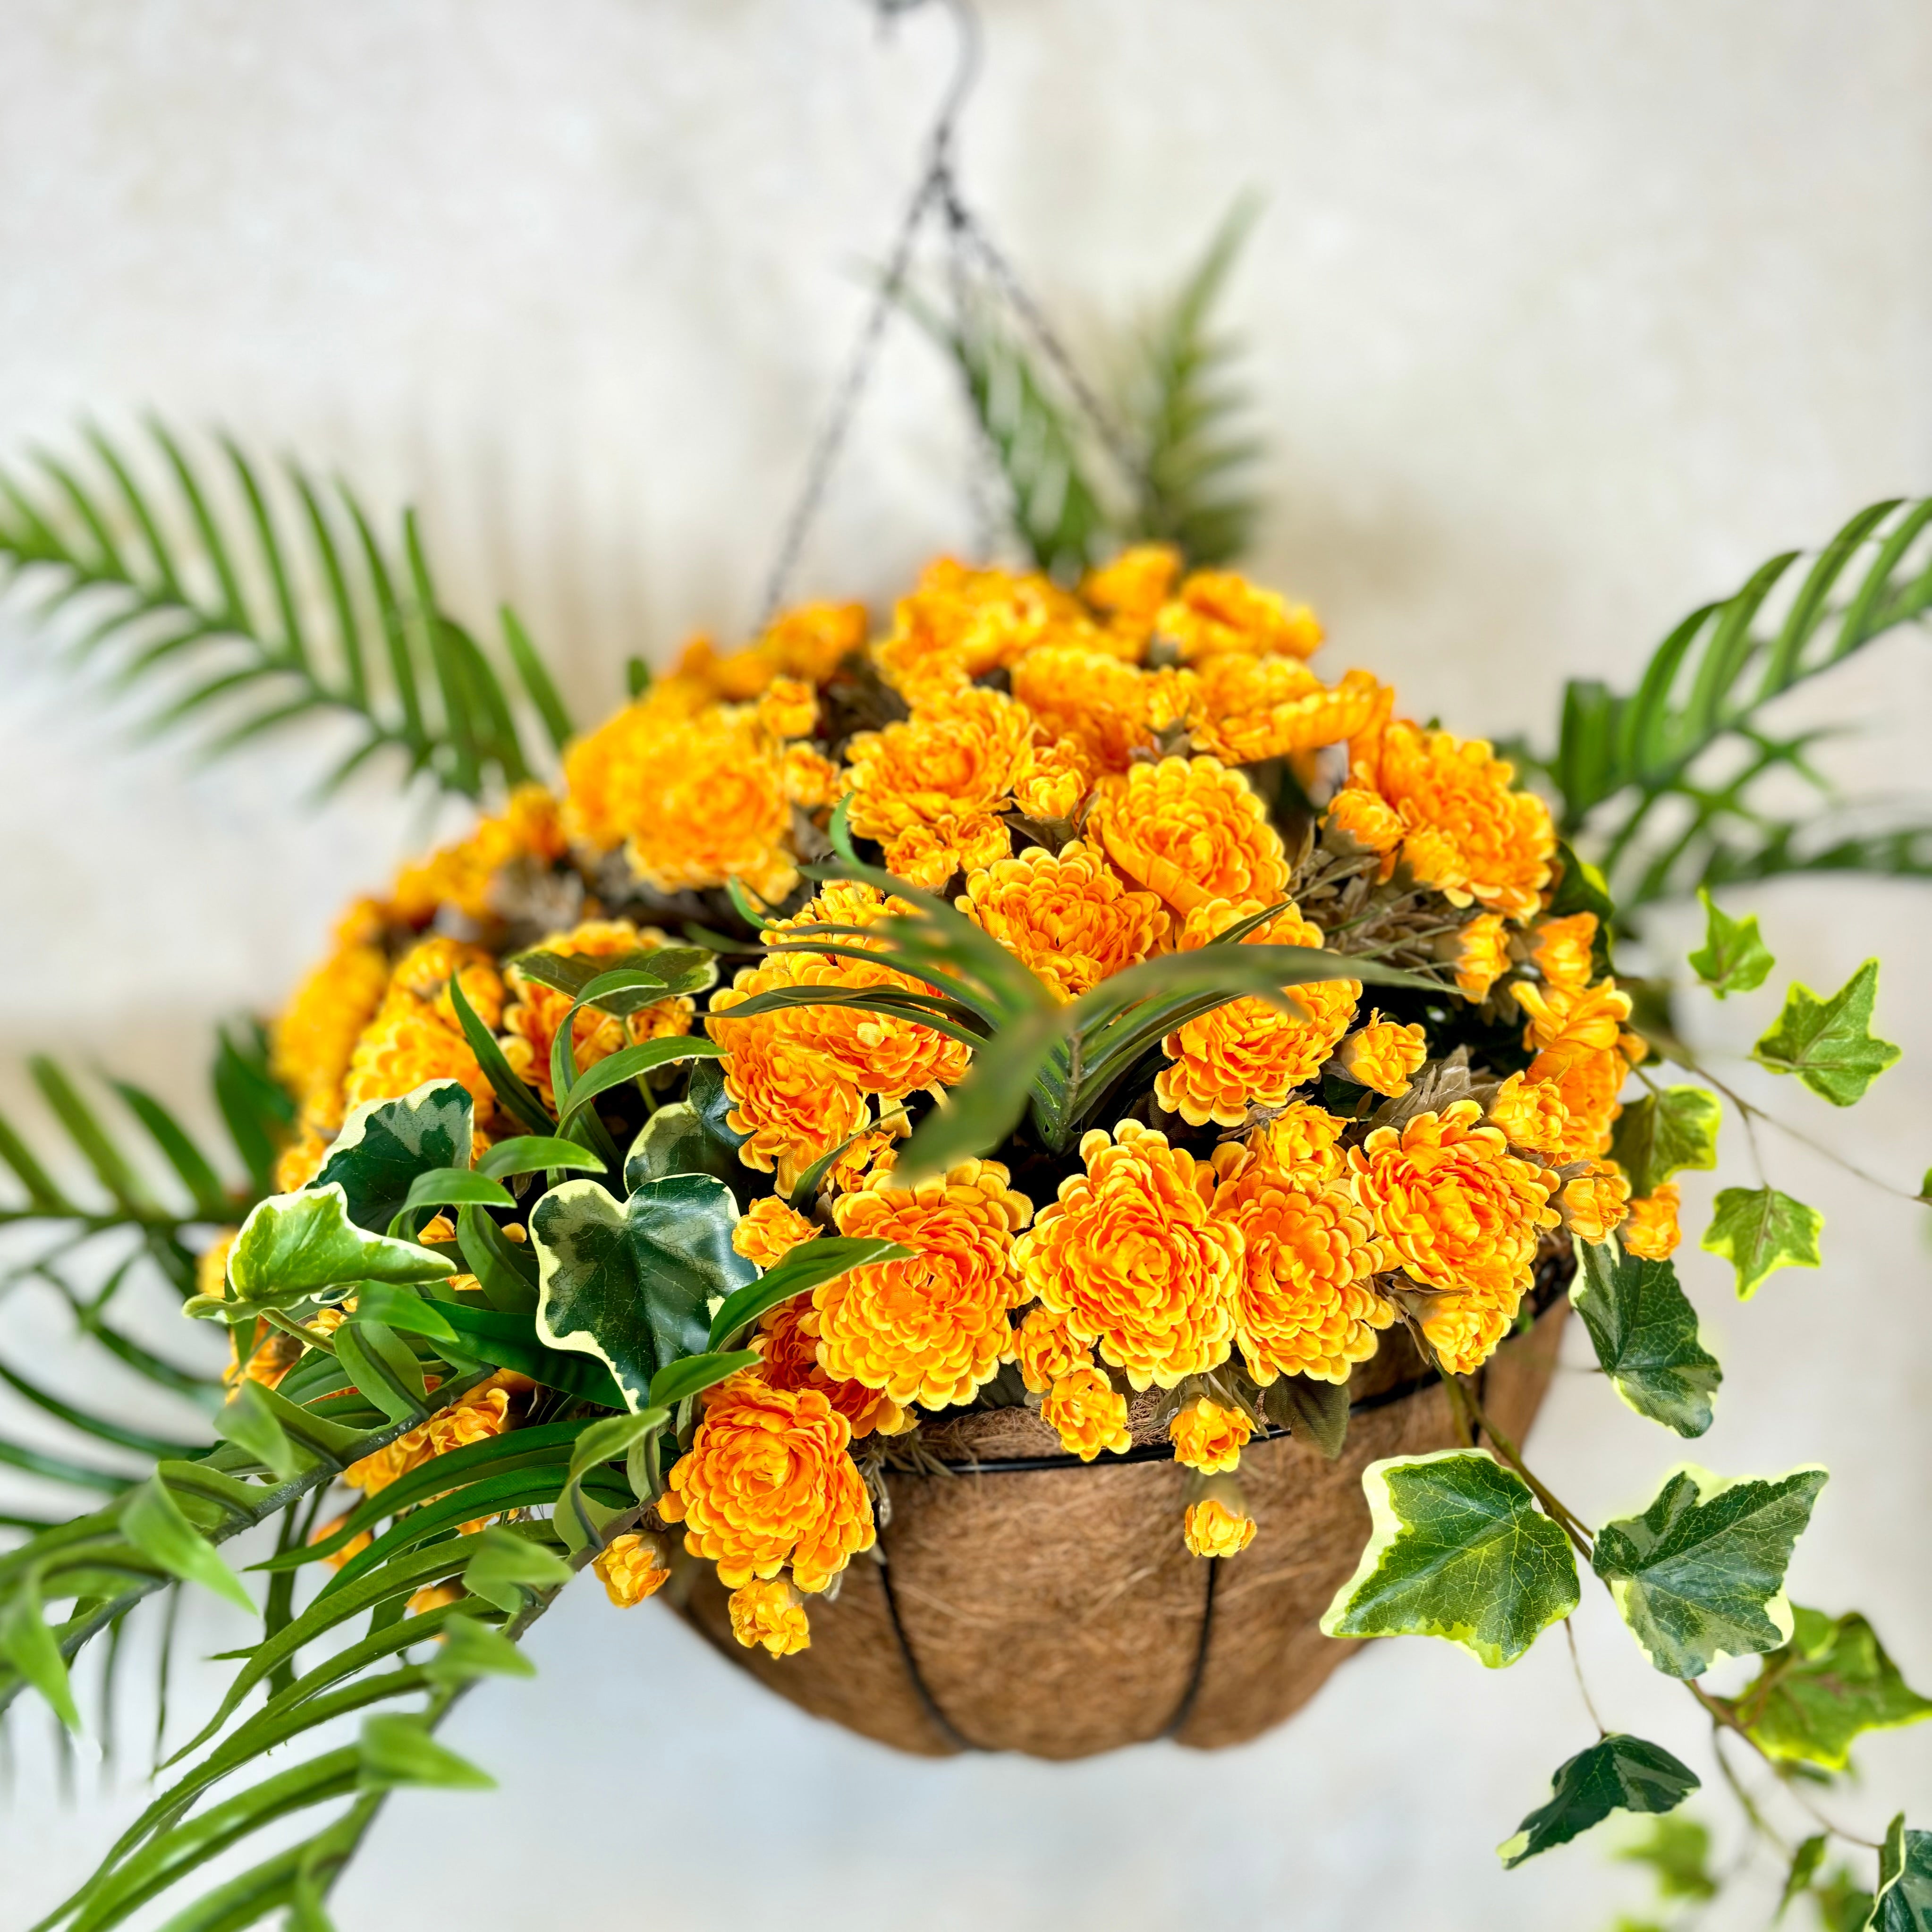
1087 1413
1595 1201
1301 1143
930 789
1209 1438
1132 1254
1249 1053
1130 591
1481 955
932 1328
1046 1349
415 1036
1530 1114
462 876
1067 915
483 1412
1651 1229
632 1568
1108 709
1218 610
1462 1216
536 1011
311 1044
1589 1081
785 1097
1368 821
1585 1016
787 1339
808 642
1562 949
1382 1055
1466 833
768 1230
1304 1305
1245 709
772 1614
959 623
1211 1528
767 1482
1191 830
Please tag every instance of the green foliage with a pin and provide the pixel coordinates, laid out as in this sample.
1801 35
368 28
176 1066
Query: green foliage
1677 1849
1182 408
1904 1901
1667 784
1831 1684
1616 1774
398 1749
294 1246
385 1146
805 1268
1829 1043
673 1141
1459 1550
244 598
1804 1864
1758 1231
1644 1332
1663 1134
1733 957
1317 1411
1700 1575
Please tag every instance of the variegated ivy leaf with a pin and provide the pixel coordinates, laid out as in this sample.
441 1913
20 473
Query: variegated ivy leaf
1616 1774
1700 1575
1644 1332
1759 1231
1903 1902
293 1246
1832 1682
1459 1550
674 1141
1664 1133
386 1145
1733 957
1829 1043
635 1283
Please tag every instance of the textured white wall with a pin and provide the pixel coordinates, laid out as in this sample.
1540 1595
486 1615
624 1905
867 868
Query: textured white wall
1564 318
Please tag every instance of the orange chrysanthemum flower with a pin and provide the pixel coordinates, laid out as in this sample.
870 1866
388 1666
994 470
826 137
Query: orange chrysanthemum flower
1209 1438
787 1339
768 1230
1651 1230
632 1568
1087 1412
1130 591
1462 1216
1065 914
311 1043
1366 819
1217 610
1576 1017
808 642
932 1328
483 1412
462 876
1191 830
1563 949
1304 1305
1133 1256
1046 1349
786 1098
930 789
1247 709
1382 1055
1530 1114
959 623
1465 832
1588 1081
1249 1053
1301 1143
772 1614
415 1036
766 1482
1055 785
1481 955
1211 1528
536 1011
1595 1201
1108 709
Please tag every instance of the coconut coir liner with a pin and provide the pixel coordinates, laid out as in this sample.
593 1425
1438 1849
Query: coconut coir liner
1057 1611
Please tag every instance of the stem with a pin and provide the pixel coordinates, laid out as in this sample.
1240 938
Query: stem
1750 1111
1572 1525
1576 1665
288 1325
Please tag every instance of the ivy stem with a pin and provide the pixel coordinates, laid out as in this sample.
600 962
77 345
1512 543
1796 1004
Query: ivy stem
1749 1111
1572 1525
1576 1665
309 1337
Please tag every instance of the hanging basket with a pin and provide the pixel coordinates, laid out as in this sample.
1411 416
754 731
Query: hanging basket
1027 1601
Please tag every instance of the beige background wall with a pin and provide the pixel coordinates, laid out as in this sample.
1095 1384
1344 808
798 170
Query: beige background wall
1563 319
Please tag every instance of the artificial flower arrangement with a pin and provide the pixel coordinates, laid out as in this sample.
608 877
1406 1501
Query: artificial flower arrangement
1050 1030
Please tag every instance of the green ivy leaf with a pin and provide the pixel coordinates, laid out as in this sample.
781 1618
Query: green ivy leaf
1903 1901
1664 1133
1644 1332
151 1520
398 1749
1829 1043
384 1145
1734 957
634 1282
1700 1575
294 1246
1616 1774
674 1141
1759 1231
1830 1684
1459 1550
1677 1851
1804 1864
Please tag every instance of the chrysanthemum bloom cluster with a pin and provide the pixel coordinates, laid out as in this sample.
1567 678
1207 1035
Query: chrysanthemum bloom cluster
1101 778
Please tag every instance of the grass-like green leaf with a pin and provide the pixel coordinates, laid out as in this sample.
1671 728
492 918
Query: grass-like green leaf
1618 1773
